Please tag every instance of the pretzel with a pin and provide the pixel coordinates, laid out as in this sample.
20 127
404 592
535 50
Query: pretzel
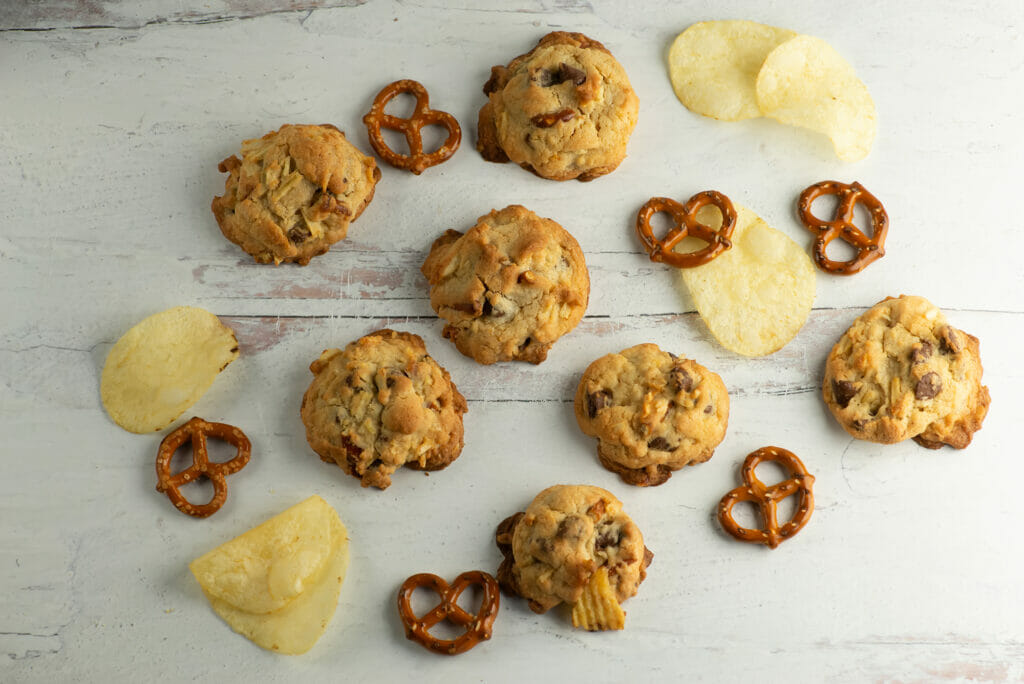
868 248
196 431
767 498
686 224
416 161
477 626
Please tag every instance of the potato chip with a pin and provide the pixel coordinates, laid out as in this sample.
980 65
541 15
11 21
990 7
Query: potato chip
713 66
278 583
757 295
163 365
805 82
598 609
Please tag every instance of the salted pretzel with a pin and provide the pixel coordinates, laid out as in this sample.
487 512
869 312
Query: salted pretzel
841 226
416 161
767 498
196 431
478 626
684 216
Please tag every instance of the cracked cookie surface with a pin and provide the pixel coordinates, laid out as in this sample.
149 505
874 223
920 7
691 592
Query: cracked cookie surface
568 532
652 412
509 287
903 371
294 193
564 110
382 403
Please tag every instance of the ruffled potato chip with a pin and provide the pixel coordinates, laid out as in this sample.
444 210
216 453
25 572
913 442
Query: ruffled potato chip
713 66
294 564
805 82
163 365
757 295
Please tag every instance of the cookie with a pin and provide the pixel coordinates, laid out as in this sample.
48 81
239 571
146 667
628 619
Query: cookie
509 287
570 531
563 110
294 193
382 403
902 371
652 412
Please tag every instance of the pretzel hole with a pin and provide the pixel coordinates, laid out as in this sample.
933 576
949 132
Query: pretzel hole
424 600
747 515
198 492
785 509
862 219
824 207
395 140
402 105
471 599
219 451
771 473
840 250
434 136
712 217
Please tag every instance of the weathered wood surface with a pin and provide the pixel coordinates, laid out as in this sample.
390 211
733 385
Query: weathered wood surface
109 140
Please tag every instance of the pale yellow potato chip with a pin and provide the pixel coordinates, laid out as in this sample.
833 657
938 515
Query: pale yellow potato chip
757 295
267 567
713 66
297 627
805 82
163 365
598 609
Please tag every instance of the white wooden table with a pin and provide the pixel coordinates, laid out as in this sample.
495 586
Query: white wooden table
112 121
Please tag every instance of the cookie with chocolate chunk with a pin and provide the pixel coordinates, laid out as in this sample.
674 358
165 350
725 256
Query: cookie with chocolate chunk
382 403
563 110
903 371
294 193
652 412
509 287
569 531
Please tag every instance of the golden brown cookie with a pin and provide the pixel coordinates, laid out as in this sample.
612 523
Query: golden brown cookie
509 287
294 193
563 110
902 371
567 533
382 403
652 412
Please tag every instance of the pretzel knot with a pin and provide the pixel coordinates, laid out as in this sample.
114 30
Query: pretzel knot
841 226
684 216
767 498
478 626
196 431
416 161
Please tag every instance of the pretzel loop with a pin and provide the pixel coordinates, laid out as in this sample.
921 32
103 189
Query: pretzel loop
196 431
416 161
685 224
478 626
841 226
767 498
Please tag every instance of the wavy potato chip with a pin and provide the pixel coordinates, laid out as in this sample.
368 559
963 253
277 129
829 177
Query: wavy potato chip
805 82
713 66
163 365
294 564
757 295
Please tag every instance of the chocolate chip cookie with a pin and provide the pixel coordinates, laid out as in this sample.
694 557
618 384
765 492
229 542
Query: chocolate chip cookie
563 110
902 371
509 287
382 403
567 533
652 412
294 193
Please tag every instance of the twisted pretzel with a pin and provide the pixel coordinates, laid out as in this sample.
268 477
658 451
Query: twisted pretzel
416 161
477 626
196 431
767 498
686 224
868 248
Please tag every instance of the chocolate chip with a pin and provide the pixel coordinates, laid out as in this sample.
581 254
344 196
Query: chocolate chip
597 401
928 386
681 379
525 343
843 391
859 424
660 444
299 234
950 342
921 353
564 72
488 307
709 409
606 539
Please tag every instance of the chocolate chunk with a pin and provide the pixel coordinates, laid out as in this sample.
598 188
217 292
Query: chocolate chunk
525 343
859 424
606 539
950 342
597 401
920 354
550 119
843 391
709 409
488 308
564 72
681 379
570 528
928 387
660 444
299 234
